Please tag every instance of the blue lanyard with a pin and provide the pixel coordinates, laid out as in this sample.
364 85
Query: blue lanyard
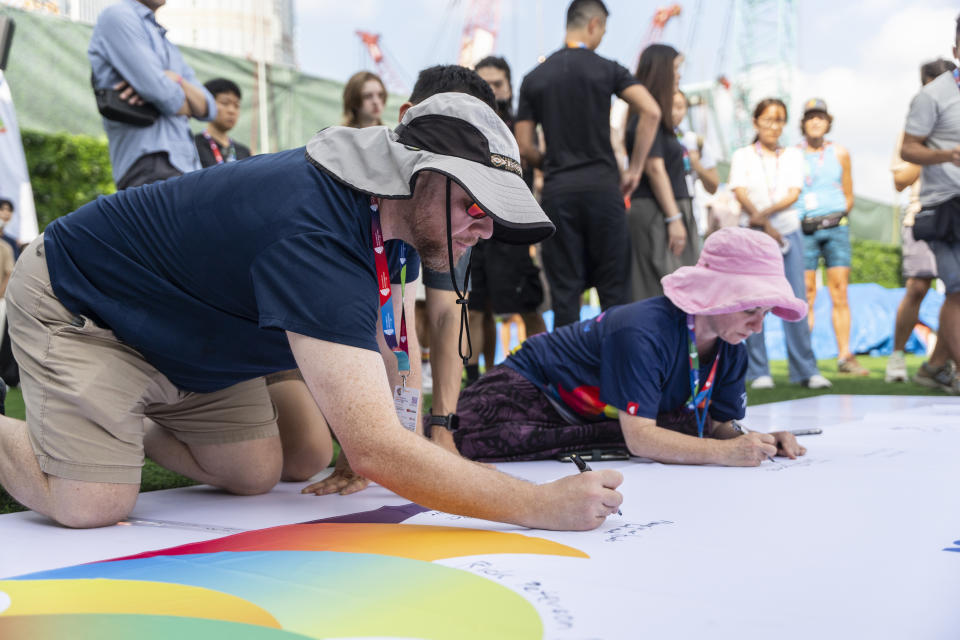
699 400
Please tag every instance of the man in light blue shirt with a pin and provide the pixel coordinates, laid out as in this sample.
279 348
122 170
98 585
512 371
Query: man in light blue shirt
129 50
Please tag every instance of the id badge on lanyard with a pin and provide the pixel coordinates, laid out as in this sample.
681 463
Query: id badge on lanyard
405 399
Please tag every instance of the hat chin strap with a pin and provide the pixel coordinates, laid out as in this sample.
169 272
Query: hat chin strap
461 295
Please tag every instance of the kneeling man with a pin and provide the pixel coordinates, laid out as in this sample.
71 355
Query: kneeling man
144 321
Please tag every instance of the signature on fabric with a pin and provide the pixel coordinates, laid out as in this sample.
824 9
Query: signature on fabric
631 530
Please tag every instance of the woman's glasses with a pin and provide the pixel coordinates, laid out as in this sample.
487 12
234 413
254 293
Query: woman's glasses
771 123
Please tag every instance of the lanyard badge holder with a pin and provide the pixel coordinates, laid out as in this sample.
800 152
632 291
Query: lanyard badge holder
406 400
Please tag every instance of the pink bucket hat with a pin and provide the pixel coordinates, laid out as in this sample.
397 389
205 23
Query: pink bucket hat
738 269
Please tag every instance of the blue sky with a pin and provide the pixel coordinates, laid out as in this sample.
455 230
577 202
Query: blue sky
861 56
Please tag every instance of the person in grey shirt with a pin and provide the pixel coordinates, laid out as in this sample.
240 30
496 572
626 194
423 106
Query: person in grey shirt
129 51
932 140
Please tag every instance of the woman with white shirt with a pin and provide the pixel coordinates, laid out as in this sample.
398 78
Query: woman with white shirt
767 179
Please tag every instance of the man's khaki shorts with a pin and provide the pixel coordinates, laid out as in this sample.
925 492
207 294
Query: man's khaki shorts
90 398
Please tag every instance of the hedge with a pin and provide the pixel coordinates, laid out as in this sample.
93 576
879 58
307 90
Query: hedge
66 171
875 262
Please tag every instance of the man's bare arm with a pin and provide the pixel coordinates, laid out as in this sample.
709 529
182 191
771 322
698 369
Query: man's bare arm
351 388
914 150
641 102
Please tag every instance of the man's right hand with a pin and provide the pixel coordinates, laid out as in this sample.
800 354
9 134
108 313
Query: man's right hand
629 179
748 450
955 155
578 502
676 236
343 480
128 94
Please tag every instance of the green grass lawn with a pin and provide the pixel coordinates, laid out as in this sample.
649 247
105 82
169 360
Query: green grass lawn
155 477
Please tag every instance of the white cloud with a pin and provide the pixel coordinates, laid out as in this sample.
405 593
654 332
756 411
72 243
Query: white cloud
869 96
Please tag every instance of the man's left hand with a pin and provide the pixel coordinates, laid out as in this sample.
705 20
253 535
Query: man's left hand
343 480
787 445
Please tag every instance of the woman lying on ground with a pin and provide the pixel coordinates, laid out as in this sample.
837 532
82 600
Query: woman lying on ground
624 378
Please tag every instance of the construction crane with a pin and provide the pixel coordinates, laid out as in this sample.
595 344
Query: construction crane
660 19
384 64
765 34
481 25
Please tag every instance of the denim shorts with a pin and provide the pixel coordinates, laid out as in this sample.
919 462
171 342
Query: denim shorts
833 244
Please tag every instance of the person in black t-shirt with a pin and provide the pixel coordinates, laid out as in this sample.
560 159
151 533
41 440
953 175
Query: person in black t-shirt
663 230
504 278
214 145
569 95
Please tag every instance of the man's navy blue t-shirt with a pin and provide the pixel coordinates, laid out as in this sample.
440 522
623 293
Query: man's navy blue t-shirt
201 273
631 358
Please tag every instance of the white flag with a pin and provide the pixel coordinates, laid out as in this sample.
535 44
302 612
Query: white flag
14 179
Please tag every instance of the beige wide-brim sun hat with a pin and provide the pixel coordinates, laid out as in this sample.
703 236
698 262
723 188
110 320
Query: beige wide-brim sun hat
454 134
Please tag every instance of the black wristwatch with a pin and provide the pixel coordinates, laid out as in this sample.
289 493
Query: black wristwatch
450 422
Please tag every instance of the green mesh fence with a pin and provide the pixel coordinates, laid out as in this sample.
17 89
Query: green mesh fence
49 76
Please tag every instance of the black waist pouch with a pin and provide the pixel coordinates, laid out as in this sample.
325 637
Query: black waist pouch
941 223
812 225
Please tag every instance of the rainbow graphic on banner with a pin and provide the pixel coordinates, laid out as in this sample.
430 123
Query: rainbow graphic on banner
297 581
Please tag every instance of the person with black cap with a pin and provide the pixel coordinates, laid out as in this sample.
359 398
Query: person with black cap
149 334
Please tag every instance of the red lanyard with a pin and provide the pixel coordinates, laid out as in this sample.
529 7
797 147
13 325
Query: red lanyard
401 350
766 179
215 148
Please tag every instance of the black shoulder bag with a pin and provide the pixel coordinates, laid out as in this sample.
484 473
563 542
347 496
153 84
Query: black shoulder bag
113 108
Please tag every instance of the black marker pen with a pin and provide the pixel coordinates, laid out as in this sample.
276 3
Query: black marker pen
583 466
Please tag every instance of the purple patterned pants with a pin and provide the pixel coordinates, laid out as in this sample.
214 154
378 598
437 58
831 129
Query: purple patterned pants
505 417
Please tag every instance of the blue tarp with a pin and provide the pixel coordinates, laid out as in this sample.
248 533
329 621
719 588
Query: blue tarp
873 310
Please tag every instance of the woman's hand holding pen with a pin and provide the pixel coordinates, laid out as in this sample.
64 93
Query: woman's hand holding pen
748 450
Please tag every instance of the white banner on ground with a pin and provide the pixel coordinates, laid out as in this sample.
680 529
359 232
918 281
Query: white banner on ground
14 179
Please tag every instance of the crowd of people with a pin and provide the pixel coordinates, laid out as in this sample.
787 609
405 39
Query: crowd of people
307 327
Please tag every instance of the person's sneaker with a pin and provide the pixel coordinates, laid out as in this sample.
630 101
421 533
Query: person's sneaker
942 378
816 381
852 367
763 382
896 368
